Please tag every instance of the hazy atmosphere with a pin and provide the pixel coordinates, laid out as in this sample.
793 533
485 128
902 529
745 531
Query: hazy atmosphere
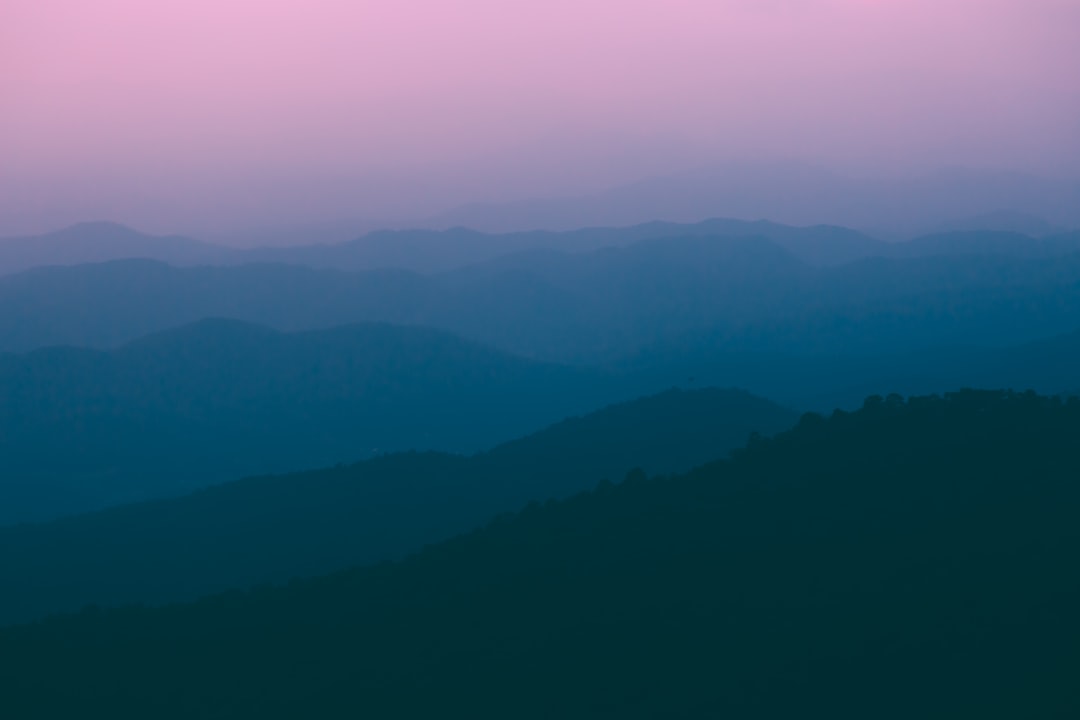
243 120
504 359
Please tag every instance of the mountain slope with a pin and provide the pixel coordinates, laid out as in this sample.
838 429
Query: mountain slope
422 251
107 304
1001 221
911 559
791 193
742 293
272 529
430 251
988 242
101 242
219 400
826 381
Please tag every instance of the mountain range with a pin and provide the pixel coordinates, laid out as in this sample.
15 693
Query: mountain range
429 251
100 242
220 399
284 482
83 429
909 559
277 528
747 294
896 207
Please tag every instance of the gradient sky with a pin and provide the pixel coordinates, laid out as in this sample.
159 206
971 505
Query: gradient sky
191 115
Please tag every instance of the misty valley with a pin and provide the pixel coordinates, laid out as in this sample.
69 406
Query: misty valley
720 469
539 360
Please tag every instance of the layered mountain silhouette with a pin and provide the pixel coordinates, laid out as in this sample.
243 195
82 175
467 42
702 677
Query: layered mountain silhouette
273 529
826 382
100 242
910 559
793 193
985 242
742 293
323 436
1002 221
422 251
429 251
435 251
221 399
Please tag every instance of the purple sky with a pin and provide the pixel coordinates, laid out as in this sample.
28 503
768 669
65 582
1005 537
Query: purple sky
200 115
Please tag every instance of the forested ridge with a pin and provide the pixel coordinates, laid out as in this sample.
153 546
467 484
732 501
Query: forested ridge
911 559
274 528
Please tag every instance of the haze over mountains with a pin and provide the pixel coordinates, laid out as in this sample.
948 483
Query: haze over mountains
749 292
332 424
893 207
83 429
111 366
1003 221
219 400
546 359
795 194
456 244
99 242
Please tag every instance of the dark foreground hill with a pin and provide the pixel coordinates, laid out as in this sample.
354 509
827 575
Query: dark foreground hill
220 400
909 560
272 529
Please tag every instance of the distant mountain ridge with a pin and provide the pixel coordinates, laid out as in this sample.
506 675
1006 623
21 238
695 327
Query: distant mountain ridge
420 250
82 429
438 251
220 399
749 294
822 383
101 242
429 251
795 194
985 242
1002 221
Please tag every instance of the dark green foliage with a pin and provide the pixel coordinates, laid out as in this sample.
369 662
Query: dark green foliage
910 559
272 529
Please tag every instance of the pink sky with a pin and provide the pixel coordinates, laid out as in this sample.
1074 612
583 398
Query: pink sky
213 111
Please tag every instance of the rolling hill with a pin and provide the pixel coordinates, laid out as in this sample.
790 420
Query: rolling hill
793 193
273 529
433 251
824 382
743 294
220 399
984 242
910 559
101 242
